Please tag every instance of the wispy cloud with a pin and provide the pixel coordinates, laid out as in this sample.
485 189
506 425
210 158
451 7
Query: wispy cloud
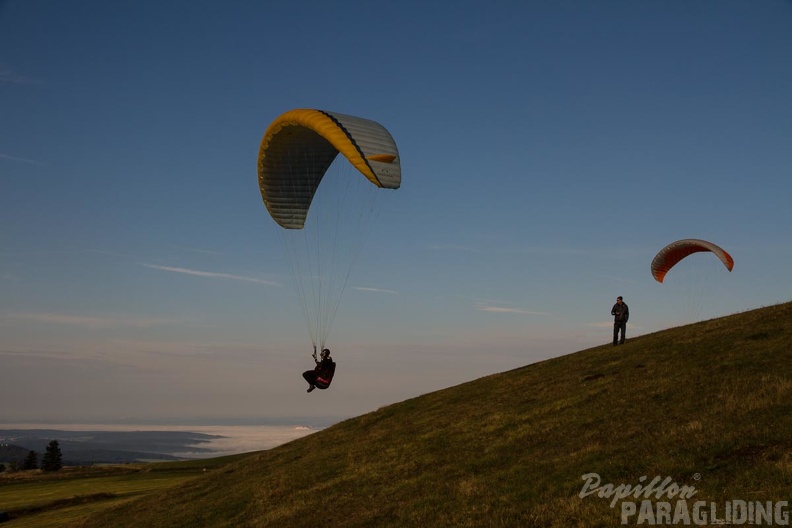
198 250
609 324
89 321
22 160
603 253
606 324
10 77
498 306
374 290
615 279
507 248
547 250
486 307
212 274
452 247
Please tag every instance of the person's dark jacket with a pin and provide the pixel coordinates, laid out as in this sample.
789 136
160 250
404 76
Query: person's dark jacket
620 313
325 368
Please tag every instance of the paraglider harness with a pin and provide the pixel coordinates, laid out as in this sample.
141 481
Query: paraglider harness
325 369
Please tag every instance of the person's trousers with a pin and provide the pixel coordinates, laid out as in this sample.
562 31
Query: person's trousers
310 376
619 326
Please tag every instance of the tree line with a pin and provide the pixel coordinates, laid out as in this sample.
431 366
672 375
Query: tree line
51 461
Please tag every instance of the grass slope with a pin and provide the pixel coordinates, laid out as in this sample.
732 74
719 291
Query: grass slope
709 405
52 500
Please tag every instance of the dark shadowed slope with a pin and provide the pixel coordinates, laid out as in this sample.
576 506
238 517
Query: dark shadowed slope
708 405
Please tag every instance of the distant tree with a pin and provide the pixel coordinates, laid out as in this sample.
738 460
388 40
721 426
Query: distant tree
31 461
52 459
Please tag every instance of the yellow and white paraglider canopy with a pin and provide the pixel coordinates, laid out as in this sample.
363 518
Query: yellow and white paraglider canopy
300 145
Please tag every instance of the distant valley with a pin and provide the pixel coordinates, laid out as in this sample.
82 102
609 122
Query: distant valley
105 447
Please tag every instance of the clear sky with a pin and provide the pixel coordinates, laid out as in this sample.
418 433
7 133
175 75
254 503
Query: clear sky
549 150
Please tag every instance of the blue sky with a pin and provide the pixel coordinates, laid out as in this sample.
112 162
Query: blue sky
548 151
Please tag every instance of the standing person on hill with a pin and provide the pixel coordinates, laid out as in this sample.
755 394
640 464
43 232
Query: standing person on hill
620 313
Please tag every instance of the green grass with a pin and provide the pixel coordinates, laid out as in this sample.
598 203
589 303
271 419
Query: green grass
36 499
709 405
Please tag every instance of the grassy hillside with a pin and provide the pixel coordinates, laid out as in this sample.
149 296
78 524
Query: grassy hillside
35 499
709 405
